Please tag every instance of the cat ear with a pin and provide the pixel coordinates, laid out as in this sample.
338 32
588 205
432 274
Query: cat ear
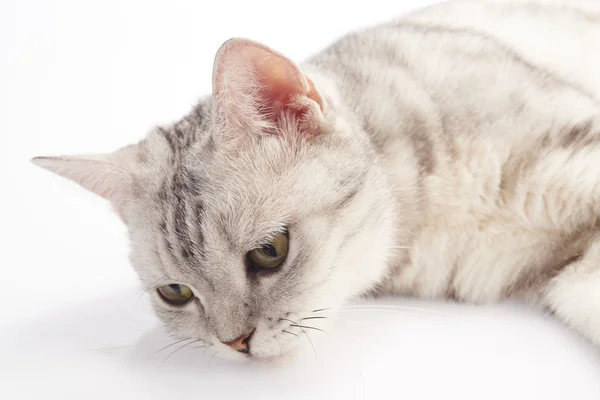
97 173
253 85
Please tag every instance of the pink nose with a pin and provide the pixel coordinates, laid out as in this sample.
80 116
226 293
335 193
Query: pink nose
241 344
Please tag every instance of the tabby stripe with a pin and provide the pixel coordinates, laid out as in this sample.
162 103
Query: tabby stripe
431 28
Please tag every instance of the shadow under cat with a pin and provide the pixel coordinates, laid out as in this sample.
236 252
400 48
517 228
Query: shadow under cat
115 345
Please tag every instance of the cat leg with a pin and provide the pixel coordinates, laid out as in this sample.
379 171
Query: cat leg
574 294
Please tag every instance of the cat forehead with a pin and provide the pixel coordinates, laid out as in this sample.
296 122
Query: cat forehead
261 175
220 207
241 192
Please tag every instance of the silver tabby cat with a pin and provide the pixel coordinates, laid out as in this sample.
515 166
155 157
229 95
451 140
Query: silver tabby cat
454 153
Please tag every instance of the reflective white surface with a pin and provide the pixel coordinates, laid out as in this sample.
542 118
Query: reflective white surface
112 348
78 77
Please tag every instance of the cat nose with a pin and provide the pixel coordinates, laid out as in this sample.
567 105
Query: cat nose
241 344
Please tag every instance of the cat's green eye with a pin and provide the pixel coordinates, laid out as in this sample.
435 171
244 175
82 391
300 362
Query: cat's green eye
270 255
175 294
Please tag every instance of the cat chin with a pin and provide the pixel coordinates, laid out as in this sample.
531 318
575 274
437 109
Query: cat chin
268 361
279 360
291 355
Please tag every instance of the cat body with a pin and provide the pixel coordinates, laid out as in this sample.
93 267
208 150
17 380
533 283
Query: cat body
521 150
451 154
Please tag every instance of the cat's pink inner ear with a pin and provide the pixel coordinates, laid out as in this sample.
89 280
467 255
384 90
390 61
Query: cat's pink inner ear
248 73
281 81
91 172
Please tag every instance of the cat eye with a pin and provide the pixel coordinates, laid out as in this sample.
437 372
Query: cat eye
270 255
175 294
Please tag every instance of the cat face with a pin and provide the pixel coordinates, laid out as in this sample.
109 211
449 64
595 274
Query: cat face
256 213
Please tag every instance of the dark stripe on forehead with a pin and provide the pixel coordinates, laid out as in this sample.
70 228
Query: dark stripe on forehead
168 138
190 130
190 183
180 137
178 195
198 214
347 198
181 228
350 188
182 191
200 115
164 238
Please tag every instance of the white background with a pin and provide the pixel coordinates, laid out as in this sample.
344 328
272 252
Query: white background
83 76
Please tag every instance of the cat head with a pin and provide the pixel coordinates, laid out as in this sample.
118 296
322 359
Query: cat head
257 211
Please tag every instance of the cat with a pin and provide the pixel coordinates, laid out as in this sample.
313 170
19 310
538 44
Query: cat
450 154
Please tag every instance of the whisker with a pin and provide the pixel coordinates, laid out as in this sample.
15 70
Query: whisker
172 344
373 307
291 333
328 334
361 379
175 351
384 308
348 320
391 306
399 312
330 337
297 315
311 343
306 333
308 327
206 349
211 357
344 332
